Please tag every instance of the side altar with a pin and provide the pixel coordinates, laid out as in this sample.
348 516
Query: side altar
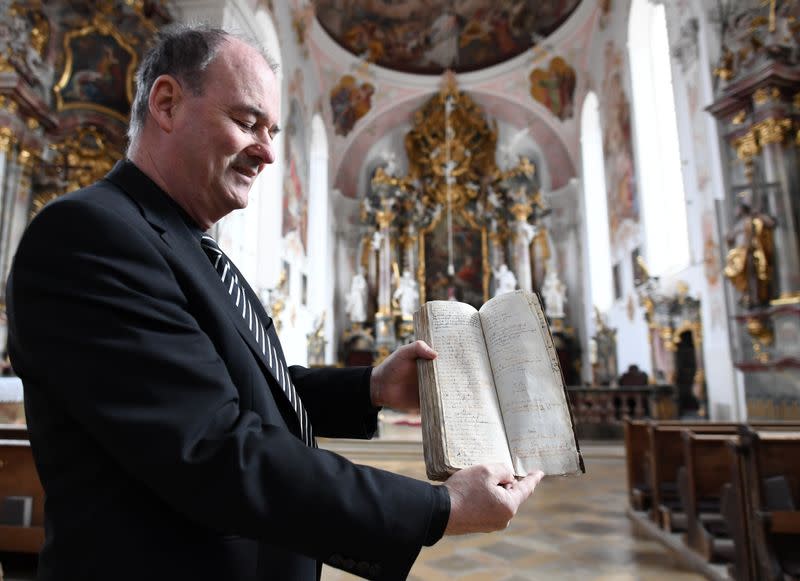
757 106
455 226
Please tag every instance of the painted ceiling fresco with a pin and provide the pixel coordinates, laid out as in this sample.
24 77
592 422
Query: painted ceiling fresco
430 36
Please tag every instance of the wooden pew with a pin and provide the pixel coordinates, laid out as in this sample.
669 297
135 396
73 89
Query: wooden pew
637 458
723 466
707 470
734 508
666 458
637 462
13 432
772 467
18 477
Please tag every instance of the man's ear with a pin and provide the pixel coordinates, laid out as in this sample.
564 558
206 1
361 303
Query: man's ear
165 97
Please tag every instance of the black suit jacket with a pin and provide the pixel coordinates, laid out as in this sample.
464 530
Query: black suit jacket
165 446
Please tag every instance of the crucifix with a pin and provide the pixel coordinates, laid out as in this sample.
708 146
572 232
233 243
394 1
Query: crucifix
772 12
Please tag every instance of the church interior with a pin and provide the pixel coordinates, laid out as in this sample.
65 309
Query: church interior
632 162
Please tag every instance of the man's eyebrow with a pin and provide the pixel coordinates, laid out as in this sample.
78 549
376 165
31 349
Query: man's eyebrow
250 110
258 114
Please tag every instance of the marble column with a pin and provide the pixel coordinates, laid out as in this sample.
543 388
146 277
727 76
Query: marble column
787 261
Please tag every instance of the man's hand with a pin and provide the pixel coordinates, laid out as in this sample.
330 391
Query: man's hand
394 382
485 498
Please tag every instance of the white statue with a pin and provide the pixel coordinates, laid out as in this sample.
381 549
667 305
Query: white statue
593 351
505 281
493 200
555 294
377 238
407 295
527 231
356 305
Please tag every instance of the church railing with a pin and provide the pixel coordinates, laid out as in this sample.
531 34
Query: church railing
599 412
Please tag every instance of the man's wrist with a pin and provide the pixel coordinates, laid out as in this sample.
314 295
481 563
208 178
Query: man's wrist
440 515
375 390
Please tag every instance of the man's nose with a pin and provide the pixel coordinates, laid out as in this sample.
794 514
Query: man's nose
263 151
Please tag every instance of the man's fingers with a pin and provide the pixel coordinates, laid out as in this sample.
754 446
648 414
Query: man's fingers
486 497
499 474
422 349
524 487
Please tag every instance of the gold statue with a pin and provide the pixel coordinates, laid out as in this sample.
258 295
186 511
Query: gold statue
316 342
749 264
278 299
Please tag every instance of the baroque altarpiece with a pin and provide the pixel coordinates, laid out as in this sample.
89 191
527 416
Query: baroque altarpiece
758 108
455 227
66 86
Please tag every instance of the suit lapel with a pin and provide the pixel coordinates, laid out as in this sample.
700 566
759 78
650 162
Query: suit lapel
165 217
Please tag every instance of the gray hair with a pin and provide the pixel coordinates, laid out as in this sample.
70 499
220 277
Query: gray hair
184 52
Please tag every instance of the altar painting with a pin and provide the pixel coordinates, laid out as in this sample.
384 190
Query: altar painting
466 284
98 73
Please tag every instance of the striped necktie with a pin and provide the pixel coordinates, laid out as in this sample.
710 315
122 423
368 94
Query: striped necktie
266 339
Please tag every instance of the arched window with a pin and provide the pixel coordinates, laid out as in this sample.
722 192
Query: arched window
660 176
598 251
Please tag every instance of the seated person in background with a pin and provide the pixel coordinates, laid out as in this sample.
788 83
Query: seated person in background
633 377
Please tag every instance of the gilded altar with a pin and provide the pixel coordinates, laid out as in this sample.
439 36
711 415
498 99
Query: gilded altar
455 225
757 107
66 84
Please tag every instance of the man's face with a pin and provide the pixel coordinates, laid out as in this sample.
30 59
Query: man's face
224 137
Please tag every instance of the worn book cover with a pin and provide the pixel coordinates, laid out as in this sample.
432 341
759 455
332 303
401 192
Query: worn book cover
495 393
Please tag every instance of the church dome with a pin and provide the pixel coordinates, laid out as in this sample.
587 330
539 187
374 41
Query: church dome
431 36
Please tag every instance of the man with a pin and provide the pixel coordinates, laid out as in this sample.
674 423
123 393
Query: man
633 377
171 440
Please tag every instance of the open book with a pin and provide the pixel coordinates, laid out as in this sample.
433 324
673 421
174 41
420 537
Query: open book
495 392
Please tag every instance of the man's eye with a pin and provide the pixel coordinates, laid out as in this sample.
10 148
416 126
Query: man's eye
244 125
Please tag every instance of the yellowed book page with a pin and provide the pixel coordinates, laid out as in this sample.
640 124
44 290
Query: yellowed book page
472 425
529 385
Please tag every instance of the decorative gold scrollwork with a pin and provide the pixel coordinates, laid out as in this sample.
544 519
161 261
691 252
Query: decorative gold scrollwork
739 118
761 337
772 130
79 161
747 148
8 104
7 139
766 94
471 146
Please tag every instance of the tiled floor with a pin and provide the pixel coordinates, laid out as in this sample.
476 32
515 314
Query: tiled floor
572 528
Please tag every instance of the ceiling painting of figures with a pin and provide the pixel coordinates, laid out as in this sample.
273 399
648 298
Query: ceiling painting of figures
431 36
